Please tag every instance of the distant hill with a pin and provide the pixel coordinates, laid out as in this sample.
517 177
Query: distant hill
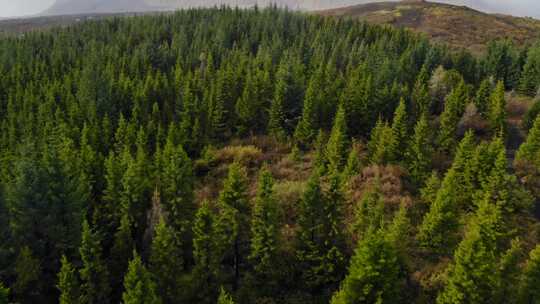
458 26
63 7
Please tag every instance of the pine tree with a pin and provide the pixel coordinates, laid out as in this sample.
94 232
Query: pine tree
420 94
482 99
319 248
177 180
453 110
307 127
400 130
369 212
206 253
470 276
338 144
264 227
353 165
375 274
382 145
530 149
4 294
508 273
399 231
234 196
121 254
531 278
28 272
497 110
68 283
224 297
166 262
94 274
530 81
138 285
440 223
419 152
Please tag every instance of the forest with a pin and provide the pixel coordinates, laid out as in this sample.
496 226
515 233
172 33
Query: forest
266 156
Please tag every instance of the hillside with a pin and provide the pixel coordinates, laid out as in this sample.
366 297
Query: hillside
459 26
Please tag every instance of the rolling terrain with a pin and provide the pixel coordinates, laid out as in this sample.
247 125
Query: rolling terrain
459 26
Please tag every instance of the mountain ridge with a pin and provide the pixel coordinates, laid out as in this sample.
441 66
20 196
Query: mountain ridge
459 26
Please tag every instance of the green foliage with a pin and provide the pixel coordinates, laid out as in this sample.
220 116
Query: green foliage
94 274
4 294
453 110
68 283
497 110
419 152
531 278
338 143
138 285
530 149
28 271
166 262
224 297
375 273
530 81
530 116
470 276
264 228
482 99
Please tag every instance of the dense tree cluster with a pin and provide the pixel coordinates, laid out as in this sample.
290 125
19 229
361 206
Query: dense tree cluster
108 130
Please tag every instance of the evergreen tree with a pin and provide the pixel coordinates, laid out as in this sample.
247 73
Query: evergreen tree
470 277
264 228
166 262
482 99
306 129
508 273
234 196
400 130
453 110
177 183
338 144
224 297
382 145
375 273
205 252
530 81
121 254
420 94
530 149
138 285
440 223
94 274
531 278
419 152
4 294
68 283
497 110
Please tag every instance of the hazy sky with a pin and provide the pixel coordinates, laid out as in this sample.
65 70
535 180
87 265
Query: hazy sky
10 8
515 7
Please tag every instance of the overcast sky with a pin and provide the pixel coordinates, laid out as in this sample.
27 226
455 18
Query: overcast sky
10 8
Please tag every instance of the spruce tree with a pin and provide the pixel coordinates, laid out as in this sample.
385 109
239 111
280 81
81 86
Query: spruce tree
482 99
338 143
224 297
68 283
420 94
375 273
139 287
177 183
497 110
264 228
508 273
4 294
530 149
234 196
529 292
440 223
166 262
307 127
120 254
419 152
94 274
454 108
400 130
470 276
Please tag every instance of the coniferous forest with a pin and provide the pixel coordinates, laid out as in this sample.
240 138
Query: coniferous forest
265 156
